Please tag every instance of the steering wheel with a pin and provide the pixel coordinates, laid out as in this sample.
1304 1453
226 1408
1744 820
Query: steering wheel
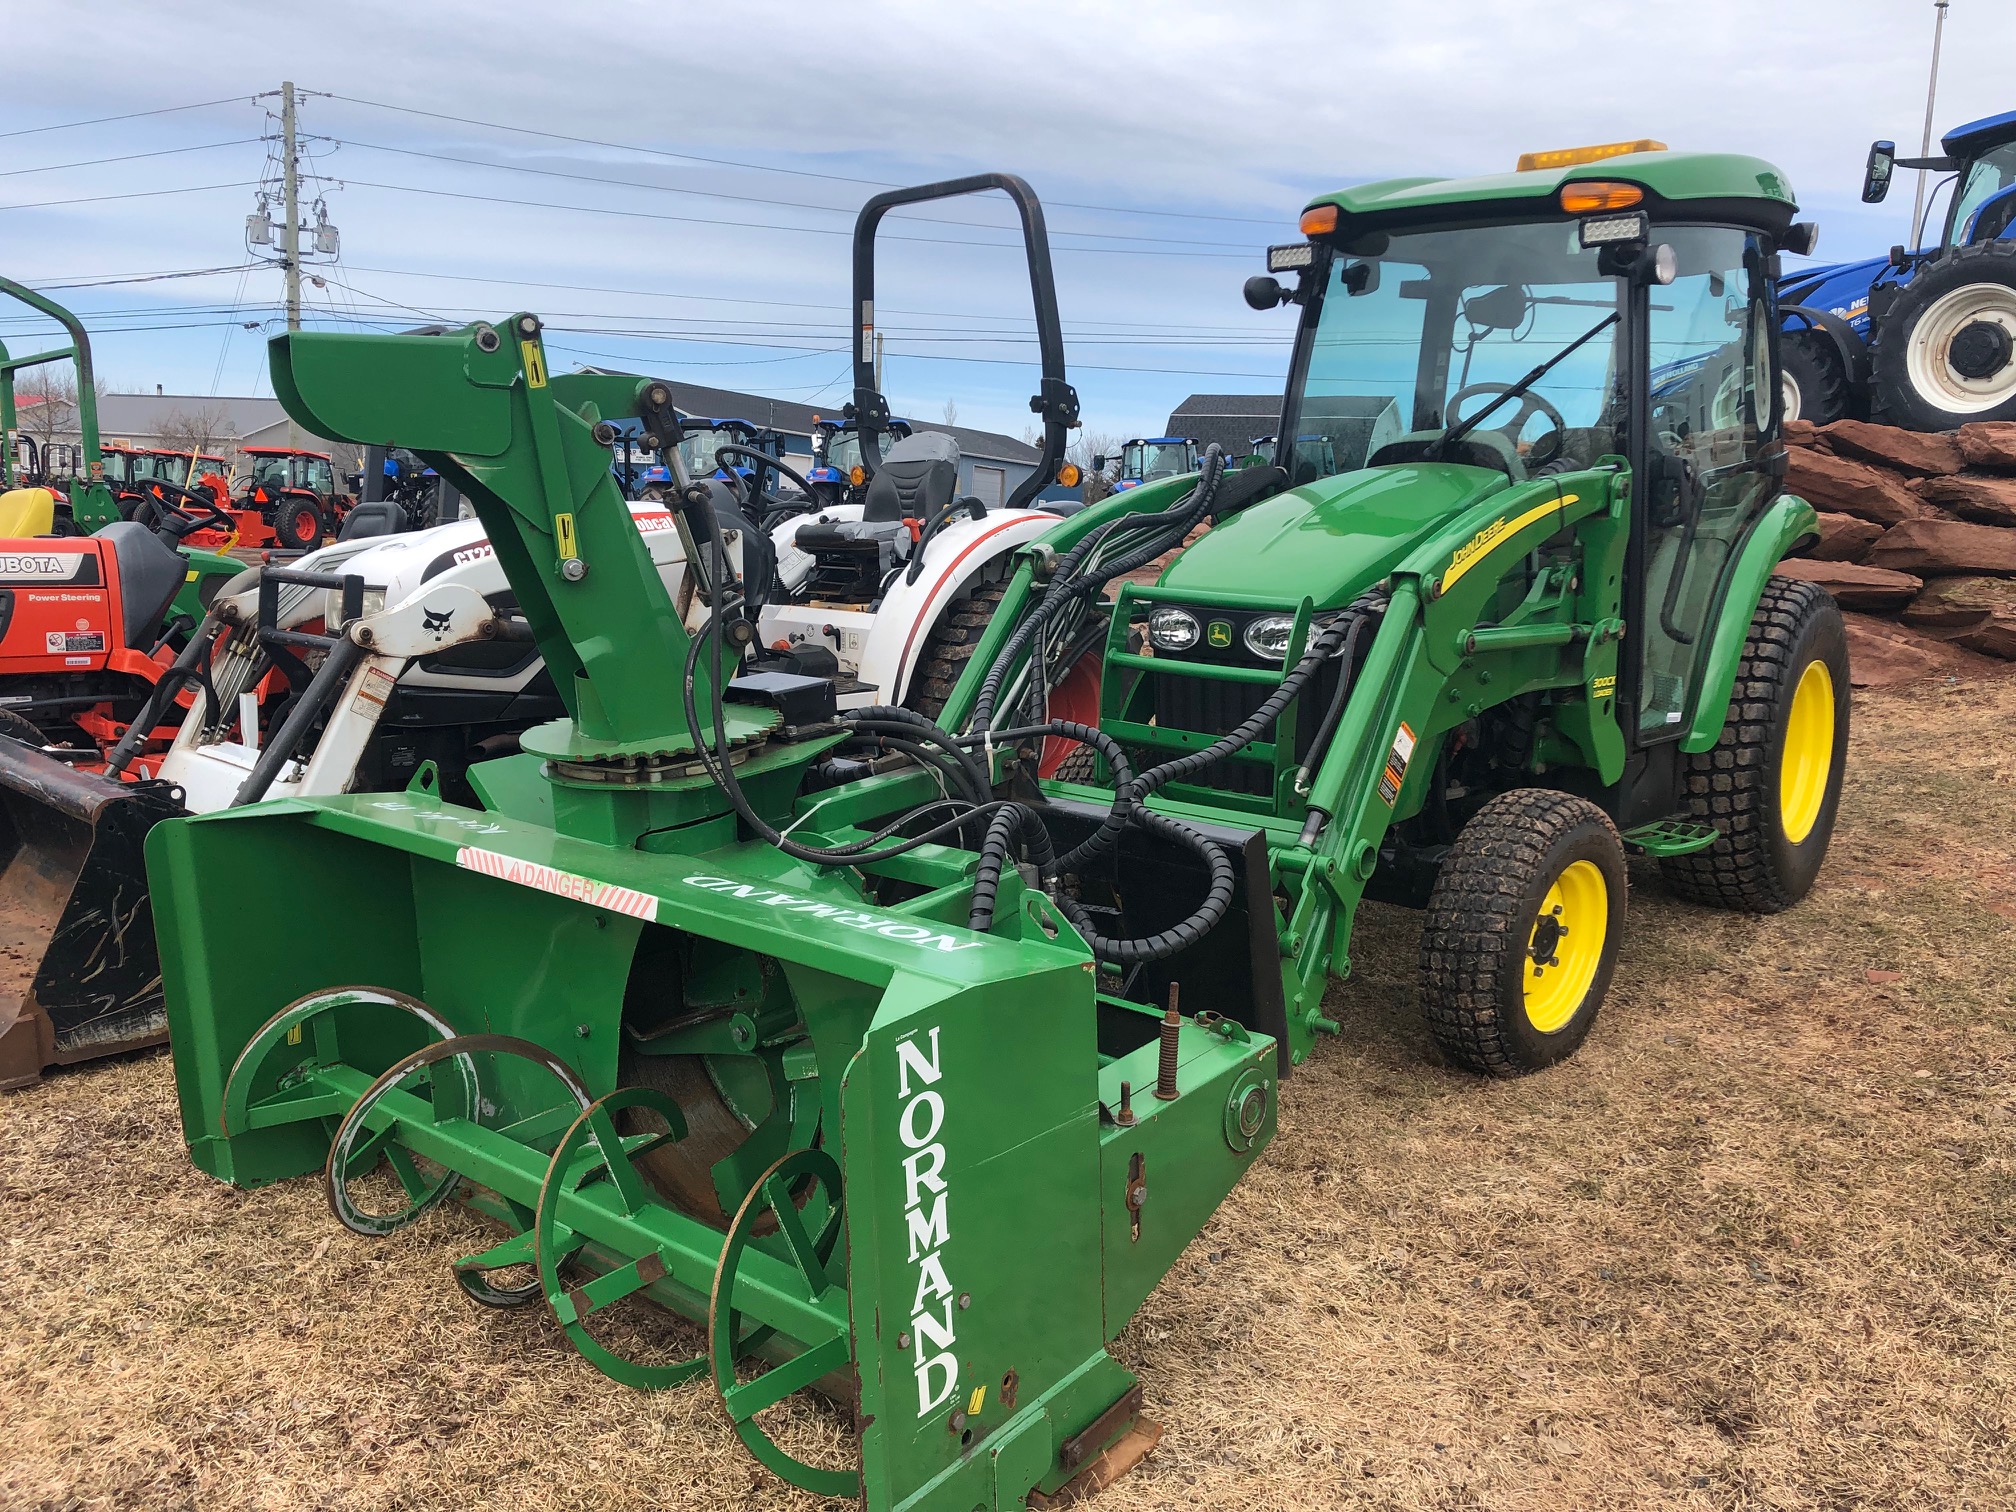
1547 448
178 513
769 512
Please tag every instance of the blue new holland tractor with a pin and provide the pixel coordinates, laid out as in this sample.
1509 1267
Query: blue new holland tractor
1923 338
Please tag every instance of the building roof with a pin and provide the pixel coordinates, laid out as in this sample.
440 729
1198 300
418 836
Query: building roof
789 416
145 414
1232 420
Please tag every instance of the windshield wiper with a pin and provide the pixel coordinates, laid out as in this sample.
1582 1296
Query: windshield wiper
1459 431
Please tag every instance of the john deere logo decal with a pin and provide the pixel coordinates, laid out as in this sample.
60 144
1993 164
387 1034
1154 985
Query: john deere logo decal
1218 634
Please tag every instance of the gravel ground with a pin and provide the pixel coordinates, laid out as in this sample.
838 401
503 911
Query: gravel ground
1750 1248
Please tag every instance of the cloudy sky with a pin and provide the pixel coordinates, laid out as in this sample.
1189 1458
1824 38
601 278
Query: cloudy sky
672 185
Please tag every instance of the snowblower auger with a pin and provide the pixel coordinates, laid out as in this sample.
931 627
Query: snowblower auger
803 1101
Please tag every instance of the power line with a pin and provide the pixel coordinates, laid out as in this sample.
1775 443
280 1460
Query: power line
747 199
108 280
129 116
128 157
96 199
837 178
696 220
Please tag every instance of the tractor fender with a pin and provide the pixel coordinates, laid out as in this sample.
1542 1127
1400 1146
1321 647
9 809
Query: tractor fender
1848 345
1788 521
954 558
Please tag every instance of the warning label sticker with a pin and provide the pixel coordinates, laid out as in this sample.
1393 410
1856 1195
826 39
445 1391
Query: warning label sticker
623 900
372 692
1396 764
60 641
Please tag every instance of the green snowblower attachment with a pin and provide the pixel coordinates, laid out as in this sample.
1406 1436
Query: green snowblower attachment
874 1151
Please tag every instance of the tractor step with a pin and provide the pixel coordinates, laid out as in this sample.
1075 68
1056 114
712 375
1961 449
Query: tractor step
1671 837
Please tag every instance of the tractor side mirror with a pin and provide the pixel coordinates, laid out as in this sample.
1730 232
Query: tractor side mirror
1501 309
1264 292
1800 238
1876 177
1359 278
1099 463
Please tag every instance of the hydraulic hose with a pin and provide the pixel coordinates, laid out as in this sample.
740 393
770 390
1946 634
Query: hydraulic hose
1178 937
1013 821
1359 615
1066 586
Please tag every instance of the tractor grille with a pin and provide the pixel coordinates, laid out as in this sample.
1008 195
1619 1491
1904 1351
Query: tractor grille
1210 707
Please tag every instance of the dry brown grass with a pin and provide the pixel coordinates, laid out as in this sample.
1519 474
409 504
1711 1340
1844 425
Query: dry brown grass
1751 1248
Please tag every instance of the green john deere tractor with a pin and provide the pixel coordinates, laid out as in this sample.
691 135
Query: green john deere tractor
910 1073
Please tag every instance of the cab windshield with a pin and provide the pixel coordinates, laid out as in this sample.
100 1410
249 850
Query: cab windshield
1149 460
1421 331
270 472
697 448
1989 174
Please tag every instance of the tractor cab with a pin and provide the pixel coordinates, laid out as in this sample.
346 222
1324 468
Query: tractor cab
276 470
1151 461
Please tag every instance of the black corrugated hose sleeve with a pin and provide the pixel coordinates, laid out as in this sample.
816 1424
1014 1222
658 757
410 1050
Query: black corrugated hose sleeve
1217 899
1124 792
1013 821
1359 614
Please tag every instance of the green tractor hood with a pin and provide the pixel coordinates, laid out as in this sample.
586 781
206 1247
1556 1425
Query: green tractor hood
1332 539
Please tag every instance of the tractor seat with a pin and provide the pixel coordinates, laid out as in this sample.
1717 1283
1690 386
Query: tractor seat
916 480
375 519
26 512
150 573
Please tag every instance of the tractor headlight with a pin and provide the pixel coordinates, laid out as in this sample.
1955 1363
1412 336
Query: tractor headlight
1268 635
1172 630
373 602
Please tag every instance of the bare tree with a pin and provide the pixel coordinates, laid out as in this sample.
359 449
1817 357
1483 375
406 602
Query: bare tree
1086 450
45 409
951 413
207 429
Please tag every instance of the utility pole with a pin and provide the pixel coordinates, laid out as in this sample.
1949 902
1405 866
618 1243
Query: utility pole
290 194
1925 143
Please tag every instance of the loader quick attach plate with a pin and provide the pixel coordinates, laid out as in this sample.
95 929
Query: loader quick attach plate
941 1232
79 974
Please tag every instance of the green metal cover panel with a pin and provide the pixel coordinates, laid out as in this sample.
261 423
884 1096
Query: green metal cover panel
1785 523
1328 540
1670 175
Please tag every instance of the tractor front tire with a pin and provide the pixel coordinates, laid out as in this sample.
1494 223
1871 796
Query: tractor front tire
1814 385
1944 354
1772 782
1522 932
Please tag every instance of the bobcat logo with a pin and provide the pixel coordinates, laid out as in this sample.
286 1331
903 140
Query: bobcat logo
436 622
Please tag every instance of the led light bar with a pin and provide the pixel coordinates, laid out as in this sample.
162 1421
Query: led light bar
1286 259
1607 230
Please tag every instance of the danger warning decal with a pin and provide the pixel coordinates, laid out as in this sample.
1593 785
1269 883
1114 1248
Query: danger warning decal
561 884
1396 764
60 641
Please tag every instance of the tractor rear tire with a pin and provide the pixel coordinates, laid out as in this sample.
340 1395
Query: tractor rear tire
1814 383
1944 354
298 524
1522 931
1772 782
951 645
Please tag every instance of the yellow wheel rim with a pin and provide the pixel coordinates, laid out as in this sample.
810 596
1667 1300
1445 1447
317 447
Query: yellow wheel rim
1808 761
1566 945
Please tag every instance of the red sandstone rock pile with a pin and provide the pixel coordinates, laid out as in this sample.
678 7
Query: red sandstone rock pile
1917 543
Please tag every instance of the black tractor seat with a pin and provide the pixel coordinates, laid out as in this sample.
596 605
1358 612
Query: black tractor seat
151 572
917 481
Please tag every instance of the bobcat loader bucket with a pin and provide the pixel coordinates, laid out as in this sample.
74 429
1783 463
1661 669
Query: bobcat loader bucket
79 976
